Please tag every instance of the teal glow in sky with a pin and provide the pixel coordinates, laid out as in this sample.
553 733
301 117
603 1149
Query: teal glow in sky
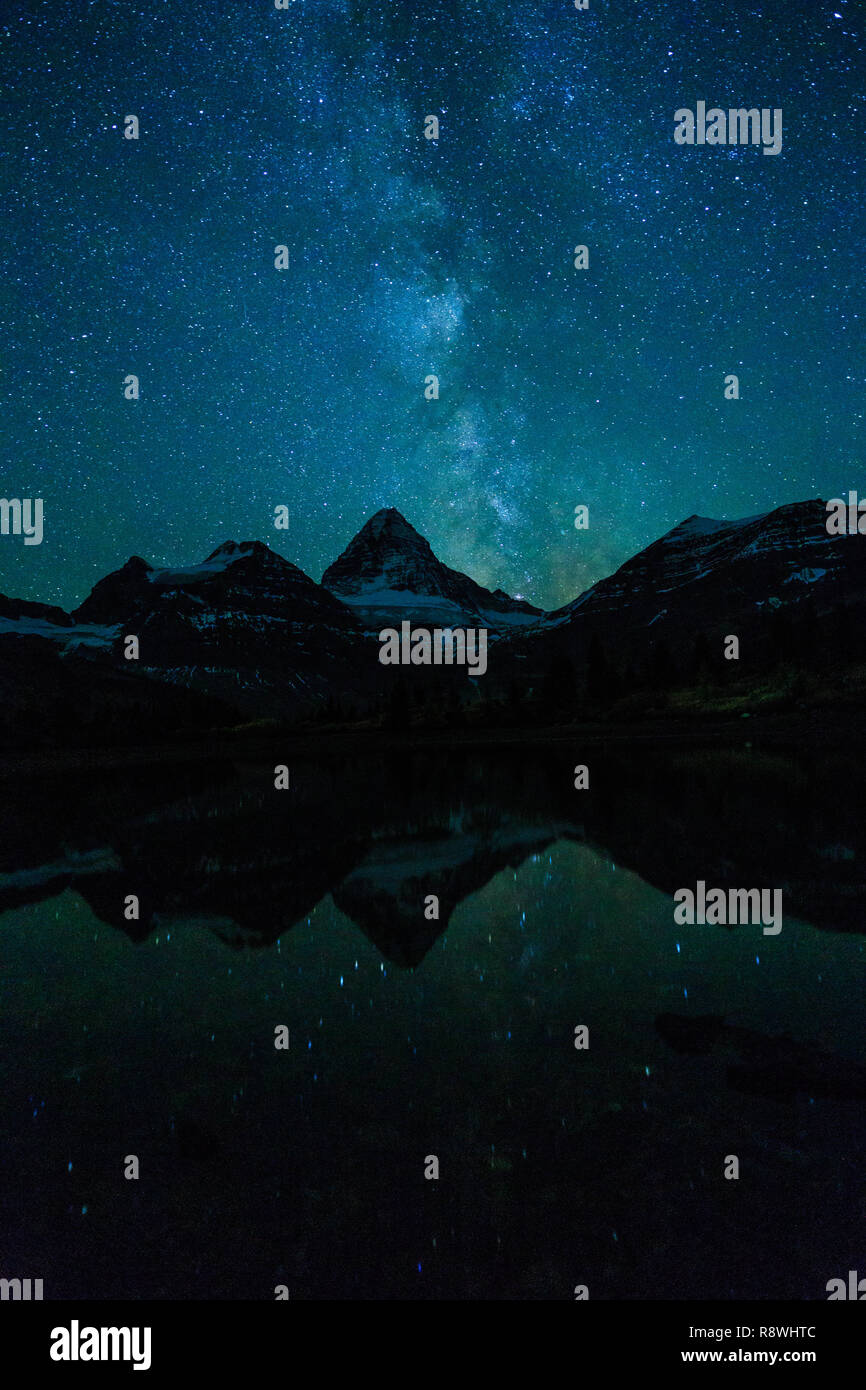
305 387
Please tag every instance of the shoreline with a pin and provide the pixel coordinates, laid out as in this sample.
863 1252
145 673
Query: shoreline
813 728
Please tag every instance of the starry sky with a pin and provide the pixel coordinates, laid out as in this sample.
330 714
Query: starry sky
305 387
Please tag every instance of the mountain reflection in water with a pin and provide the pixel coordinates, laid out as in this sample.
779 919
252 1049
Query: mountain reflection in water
412 1037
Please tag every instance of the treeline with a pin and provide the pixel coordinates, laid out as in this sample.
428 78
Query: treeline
784 660
48 700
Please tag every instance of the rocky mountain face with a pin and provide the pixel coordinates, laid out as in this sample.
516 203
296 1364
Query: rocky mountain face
708 574
389 573
245 625
246 631
246 634
776 581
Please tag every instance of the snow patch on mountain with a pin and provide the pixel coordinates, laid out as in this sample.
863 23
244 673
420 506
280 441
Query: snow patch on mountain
805 576
375 595
218 562
707 526
82 635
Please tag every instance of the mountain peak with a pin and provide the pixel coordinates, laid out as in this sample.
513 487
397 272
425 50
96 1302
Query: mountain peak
388 570
231 549
113 597
391 523
387 553
696 525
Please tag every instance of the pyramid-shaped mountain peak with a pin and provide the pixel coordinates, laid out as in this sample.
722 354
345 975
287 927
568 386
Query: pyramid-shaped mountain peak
391 524
387 553
389 569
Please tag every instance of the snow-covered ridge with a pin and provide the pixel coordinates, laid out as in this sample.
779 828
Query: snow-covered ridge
222 558
82 635
707 526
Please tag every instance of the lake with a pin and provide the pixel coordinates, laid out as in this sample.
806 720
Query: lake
413 1036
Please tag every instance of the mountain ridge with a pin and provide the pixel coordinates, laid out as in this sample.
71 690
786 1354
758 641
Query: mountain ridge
249 631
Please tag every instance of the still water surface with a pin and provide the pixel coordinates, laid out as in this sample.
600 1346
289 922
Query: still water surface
412 1037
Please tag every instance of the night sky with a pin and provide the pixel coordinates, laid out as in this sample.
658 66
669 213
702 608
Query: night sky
305 386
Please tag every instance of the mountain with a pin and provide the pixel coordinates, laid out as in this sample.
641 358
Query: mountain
389 573
777 581
724 571
245 631
246 634
240 579
119 597
245 624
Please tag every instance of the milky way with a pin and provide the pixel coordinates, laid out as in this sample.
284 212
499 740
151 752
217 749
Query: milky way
409 257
